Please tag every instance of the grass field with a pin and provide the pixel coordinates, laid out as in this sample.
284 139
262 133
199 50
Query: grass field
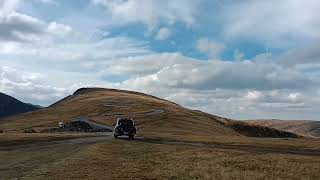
302 127
173 143
74 157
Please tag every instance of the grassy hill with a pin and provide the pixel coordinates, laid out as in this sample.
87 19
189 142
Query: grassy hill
153 116
174 143
302 127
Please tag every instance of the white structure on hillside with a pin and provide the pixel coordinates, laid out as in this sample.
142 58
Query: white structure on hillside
61 125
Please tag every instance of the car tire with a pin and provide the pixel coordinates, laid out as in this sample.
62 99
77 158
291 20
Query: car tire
131 137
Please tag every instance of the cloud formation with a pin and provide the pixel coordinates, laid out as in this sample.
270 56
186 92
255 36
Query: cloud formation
150 12
212 48
43 59
177 71
30 87
274 23
163 34
21 27
241 89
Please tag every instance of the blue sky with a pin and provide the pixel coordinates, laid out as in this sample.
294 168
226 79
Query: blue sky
240 59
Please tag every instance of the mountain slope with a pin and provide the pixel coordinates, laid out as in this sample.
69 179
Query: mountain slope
11 106
302 127
153 116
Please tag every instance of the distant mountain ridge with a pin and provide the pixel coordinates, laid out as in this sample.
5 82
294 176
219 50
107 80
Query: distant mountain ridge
11 106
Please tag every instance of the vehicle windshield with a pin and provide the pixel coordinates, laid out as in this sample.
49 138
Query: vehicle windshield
125 122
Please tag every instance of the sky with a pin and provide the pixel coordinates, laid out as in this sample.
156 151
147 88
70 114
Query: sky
248 59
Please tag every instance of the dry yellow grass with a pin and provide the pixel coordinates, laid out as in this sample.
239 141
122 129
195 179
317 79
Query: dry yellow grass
152 116
302 127
106 106
121 159
178 143
10 139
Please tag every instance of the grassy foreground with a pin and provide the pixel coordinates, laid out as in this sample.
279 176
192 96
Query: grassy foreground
106 158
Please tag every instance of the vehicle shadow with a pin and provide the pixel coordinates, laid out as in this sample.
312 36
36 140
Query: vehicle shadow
124 138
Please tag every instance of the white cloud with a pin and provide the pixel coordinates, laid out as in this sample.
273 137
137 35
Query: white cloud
59 29
163 34
212 48
307 55
14 26
76 50
36 54
142 65
54 2
235 89
277 23
176 70
150 12
253 95
8 6
20 27
238 55
29 87
56 52
294 96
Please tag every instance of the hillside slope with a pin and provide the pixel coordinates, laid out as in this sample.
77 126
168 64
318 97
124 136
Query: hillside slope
302 127
153 116
11 106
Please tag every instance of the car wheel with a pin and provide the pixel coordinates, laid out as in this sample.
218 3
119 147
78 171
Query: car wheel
131 137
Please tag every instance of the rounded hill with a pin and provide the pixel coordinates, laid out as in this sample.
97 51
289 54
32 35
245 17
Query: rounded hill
153 116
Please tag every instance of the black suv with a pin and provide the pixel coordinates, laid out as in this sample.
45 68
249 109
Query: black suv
124 126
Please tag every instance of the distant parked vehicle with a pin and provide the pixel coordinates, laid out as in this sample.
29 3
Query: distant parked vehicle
61 125
125 126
